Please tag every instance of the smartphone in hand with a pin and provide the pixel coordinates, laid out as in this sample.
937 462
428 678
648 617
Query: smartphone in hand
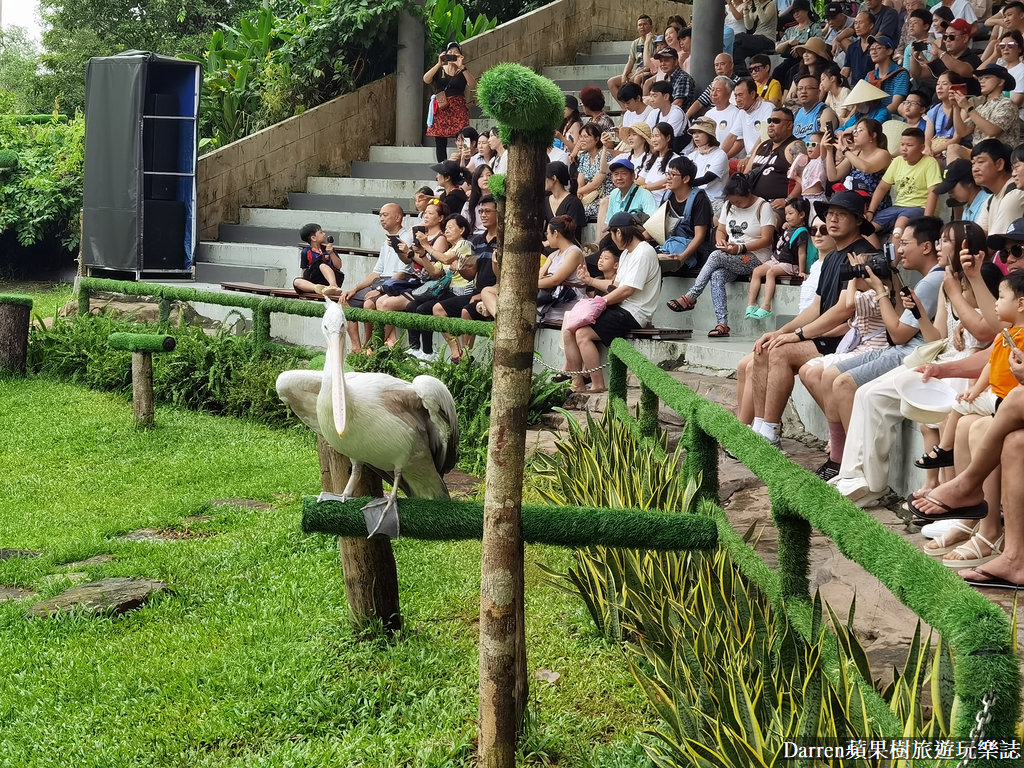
1008 340
914 310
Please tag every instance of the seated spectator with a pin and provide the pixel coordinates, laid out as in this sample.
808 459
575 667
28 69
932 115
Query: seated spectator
941 130
710 162
451 275
479 190
743 241
684 89
723 69
571 125
593 107
858 57
814 59
560 201
465 148
663 110
722 111
762 17
638 140
484 154
652 176
395 296
838 30
954 55
673 38
1011 50
421 199
992 169
592 183
634 109
689 218
499 163
919 25
813 114
320 265
751 123
964 197
788 260
914 110
627 195
1010 18
885 19
392 264
484 247
559 285
768 88
631 303
636 69
885 74
768 167
813 178
800 34
867 101
600 285
997 117
860 165
914 176
834 92
449 177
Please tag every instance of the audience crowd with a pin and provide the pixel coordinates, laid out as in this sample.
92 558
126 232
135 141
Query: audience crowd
870 156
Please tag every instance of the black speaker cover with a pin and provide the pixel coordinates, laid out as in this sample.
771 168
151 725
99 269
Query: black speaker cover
163 235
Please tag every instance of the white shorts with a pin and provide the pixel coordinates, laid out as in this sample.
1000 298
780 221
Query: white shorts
983 405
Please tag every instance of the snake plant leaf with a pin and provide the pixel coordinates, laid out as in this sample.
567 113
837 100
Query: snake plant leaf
942 688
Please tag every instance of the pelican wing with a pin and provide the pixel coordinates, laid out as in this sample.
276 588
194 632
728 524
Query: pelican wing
444 421
299 391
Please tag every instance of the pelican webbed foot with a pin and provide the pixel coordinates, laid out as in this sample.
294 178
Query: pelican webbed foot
381 516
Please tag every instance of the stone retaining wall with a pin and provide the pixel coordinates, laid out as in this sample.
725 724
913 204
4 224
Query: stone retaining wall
261 169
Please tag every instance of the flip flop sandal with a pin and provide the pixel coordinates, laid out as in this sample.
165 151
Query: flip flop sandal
944 545
942 458
992 581
970 553
683 304
973 512
720 331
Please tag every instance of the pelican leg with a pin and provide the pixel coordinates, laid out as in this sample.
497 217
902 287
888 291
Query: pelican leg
381 515
350 487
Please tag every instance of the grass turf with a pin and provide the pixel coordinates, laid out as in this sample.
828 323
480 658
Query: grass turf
251 660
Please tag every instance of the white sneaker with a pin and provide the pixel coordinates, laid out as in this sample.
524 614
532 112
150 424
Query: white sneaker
938 528
420 355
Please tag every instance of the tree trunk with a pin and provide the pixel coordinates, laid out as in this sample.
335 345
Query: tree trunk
142 389
14 320
503 685
371 577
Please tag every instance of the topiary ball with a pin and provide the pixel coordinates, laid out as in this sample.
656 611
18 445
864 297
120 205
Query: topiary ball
526 105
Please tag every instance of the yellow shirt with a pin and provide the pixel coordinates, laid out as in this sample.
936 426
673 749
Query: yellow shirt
910 183
770 91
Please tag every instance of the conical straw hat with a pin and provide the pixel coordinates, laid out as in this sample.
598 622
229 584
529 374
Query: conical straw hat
863 92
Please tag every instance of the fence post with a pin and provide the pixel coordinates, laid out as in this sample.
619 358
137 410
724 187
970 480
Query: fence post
648 411
616 376
794 550
261 326
83 301
701 457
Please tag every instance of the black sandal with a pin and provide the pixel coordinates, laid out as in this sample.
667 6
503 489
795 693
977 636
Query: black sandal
942 458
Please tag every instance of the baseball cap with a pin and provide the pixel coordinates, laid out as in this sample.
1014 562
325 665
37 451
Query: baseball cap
960 25
834 9
1015 233
956 172
623 163
625 219
883 40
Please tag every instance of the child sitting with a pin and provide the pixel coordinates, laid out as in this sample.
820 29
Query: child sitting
790 259
608 266
796 156
812 177
321 266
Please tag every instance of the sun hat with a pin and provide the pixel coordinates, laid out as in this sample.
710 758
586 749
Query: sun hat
850 201
816 46
994 70
926 402
641 129
862 93
704 125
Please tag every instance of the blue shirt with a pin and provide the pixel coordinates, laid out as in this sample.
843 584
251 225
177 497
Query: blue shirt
897 84
643 201
972 211
805 123
858 61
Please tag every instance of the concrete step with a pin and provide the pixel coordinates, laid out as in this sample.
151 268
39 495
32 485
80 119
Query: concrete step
420 155
587 59
248 254
616 47
393 189
573 88
594 73
349 203
282 231
208 272
398 170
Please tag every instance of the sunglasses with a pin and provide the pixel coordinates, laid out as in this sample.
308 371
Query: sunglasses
950 37
757 68
1016 250
774 120
812 144
821 231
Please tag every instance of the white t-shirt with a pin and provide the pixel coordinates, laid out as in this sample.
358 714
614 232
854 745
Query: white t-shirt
631 118
1018 76
389 262
655 174
752 127
743 225
675 117
640 269
962 10
724 119
717 162
500 164
557 155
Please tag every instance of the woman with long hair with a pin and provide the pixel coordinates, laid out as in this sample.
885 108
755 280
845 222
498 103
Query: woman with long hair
499 163
484 153
560 201
558 285
571 124
449 78
861 163
743 240
834 91
478 189
638 139
710 160
592 183
652 175
941 130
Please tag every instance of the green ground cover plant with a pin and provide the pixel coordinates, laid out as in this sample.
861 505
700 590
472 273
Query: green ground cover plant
250 659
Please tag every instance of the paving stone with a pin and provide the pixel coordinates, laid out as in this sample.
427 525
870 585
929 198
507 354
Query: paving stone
105 597
241 503
8 592
8 554
96 560
160 535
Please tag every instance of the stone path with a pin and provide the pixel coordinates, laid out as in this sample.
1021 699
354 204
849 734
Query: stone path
104 597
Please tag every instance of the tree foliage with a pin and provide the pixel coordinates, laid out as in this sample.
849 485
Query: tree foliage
19 63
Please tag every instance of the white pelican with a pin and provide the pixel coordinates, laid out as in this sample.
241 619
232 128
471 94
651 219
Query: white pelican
406 432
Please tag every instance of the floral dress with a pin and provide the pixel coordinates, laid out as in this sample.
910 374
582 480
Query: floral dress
589 165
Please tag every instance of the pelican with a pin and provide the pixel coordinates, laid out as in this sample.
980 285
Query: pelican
407 432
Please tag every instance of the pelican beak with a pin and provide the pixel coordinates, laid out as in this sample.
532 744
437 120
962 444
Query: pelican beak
336 344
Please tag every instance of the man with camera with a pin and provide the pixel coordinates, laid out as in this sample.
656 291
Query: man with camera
392 263
855 406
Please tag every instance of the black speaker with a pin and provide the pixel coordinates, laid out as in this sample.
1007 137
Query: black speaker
163 235
160 137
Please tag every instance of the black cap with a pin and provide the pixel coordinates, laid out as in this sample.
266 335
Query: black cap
448 168
1014 233
957 171
623 219
834 9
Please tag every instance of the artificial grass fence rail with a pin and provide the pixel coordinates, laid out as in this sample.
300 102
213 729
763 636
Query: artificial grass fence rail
263 306
978 631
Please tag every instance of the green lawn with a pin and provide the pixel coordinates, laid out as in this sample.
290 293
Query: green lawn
251 660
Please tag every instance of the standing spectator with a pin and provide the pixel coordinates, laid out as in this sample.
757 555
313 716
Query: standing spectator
805 29
750 126
743 241
640 52
894 80
769 166
762 17
449 78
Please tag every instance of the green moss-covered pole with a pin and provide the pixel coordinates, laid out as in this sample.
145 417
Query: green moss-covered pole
142 346
15 313
528 109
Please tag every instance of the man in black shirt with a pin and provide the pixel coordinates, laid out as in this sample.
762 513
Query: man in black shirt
954 55
769 161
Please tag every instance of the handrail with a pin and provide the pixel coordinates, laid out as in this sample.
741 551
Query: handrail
263 306
978 631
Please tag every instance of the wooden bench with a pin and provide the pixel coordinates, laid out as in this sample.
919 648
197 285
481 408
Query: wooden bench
267 290
654 334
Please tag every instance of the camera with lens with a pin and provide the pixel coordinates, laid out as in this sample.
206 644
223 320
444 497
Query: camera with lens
878 262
